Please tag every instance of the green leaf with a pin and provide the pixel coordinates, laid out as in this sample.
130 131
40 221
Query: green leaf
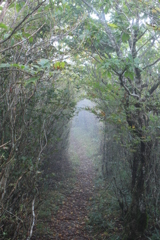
5 35
125 37
31 80
59 65
12 5
4 65
26 34
30 40
129 74
12 42
18 35
19 6
47 8
36 66
44 62
109 49
112 25
15 65
2 25
62 64
109 74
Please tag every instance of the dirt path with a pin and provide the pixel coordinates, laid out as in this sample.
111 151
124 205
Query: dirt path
73 201
69 223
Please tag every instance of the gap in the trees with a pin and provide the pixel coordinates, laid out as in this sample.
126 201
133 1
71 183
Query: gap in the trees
84 139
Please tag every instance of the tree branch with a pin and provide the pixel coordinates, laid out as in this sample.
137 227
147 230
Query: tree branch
22 40
154 87
4 10
152 64
24 19
141 35
3 145
144 45
33 219
12 214
107 29
92 8
126 88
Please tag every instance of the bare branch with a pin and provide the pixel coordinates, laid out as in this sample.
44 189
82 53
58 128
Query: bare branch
3 145
152 64
144 44
126 88
45 136
131 94
12 214
93 9
33 220
16 184
141 35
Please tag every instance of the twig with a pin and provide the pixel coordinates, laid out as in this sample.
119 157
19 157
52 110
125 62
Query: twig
33 221
4 144
16 184
150 65
12 214
43 147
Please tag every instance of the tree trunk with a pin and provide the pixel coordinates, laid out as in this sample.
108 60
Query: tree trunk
136 218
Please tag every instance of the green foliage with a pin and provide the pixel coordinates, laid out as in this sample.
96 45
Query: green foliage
103 209
19 5
125 37
31 80
44 63
37 104
2 25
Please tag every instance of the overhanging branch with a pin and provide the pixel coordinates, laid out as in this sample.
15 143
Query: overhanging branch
152 64
115 46
24 19
22 40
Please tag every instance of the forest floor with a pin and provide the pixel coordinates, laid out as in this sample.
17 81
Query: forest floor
70 221
64 214
74 209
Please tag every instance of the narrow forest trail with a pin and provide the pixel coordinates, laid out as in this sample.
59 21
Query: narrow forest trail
68 189
70 221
